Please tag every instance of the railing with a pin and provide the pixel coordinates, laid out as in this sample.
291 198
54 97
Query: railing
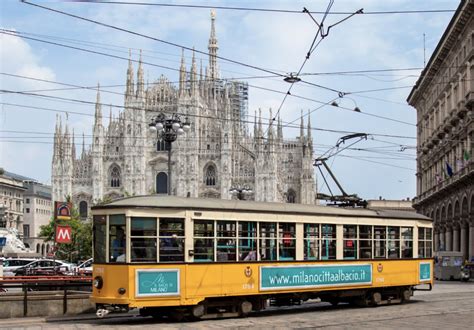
67 286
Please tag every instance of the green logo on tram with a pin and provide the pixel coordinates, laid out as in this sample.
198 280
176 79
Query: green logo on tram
289 277
152 282
425 271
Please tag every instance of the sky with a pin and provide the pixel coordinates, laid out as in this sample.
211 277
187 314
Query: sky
383 165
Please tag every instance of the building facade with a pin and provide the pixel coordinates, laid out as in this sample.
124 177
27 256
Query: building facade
444 100
11 201
37 212
217 154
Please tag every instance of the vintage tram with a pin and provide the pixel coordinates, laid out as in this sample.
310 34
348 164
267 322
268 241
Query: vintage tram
207 258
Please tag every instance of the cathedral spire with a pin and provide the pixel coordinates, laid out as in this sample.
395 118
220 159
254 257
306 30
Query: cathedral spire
182 74
73 146
260 131
309 126
130 83
302 127
140 80
279 128
213 70
83 154
98 108
270 126
194 79
255 132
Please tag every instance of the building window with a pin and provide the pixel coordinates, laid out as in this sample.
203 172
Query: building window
26 231
27 200
83 209
162 183
27 210
211 177
115 176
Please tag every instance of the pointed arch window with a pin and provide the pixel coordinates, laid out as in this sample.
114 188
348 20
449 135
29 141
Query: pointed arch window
115 176
291 196
161 145
162 183
211 176
83 209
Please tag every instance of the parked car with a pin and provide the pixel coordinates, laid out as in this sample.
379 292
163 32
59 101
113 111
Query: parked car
44 267
12 264
84 268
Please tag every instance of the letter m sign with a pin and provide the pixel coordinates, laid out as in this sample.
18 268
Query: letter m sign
63 234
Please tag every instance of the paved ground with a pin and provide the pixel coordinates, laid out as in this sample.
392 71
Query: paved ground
449 306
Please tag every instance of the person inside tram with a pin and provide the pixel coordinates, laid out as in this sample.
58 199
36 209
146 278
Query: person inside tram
118 245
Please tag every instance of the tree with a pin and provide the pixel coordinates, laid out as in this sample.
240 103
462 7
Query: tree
80 247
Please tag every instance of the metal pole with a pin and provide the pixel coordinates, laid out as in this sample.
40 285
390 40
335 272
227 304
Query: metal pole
169 168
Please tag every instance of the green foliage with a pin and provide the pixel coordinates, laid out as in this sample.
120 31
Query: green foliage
80 247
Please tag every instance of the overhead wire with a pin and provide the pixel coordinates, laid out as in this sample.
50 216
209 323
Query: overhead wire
271 10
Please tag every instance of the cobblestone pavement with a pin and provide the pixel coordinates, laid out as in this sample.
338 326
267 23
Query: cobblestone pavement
449 306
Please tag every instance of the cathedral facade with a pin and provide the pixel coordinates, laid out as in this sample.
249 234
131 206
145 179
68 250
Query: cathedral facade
217 154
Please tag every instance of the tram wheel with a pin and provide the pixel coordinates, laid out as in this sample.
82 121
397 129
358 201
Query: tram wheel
405 295
245 308
376 298
333 301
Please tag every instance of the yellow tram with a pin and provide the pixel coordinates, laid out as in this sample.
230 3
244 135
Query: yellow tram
208 257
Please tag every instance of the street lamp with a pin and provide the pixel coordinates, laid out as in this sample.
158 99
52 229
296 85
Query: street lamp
241 192
168 128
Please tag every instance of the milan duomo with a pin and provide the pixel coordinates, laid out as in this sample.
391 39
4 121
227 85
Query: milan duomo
217 154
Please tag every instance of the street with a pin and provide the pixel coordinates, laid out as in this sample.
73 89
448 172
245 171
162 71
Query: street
449 306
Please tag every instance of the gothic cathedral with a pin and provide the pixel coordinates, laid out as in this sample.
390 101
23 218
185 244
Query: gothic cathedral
218 152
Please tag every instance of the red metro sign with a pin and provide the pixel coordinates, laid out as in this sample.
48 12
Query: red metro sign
63 234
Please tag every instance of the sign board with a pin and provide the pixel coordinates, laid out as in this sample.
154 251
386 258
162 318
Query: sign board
314 276
63 234
3 241
155 283
62 210
425 271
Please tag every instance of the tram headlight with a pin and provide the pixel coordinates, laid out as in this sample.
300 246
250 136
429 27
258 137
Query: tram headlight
98 282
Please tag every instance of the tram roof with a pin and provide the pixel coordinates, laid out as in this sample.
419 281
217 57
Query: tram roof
160 201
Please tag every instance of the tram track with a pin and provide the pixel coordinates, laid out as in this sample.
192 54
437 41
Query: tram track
309 307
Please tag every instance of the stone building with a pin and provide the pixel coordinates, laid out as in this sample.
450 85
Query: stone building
444 99
11 201
217 154
38 210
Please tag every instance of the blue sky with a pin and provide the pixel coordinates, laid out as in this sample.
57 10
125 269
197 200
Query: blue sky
277 41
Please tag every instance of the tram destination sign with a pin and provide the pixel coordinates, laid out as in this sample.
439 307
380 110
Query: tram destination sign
314 276
156 282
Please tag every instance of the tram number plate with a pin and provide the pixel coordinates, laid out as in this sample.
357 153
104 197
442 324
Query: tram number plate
314 276
153 282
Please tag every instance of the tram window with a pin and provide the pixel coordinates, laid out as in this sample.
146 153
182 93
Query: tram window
226 241
286 241
117 242
311 242
407 242
143 239
328 242
350 241
99 230
143 226
379 241
171 239
393 242
143 249
424 242
247 241
203 240
268 245
365 242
